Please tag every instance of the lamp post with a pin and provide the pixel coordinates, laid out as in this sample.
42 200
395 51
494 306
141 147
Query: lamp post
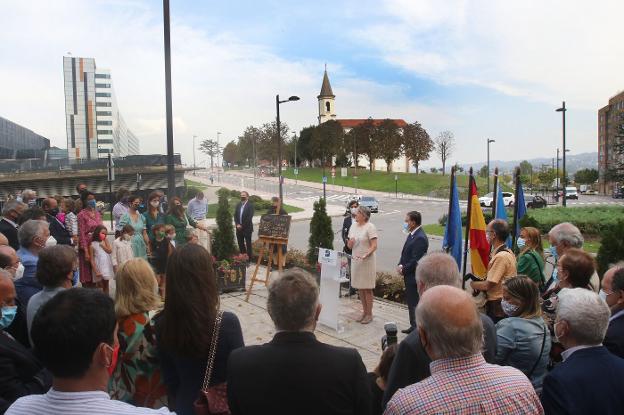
563 110
169 111
253 150
295 139
194 163
489 140
218 147
557 173
279 143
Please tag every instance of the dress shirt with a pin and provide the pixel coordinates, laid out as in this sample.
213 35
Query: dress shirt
616 315
15 225
197 209
241 212
467 385
119 210
568 352
415 230
76 403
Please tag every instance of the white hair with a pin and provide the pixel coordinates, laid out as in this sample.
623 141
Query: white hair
29 230
11 205
586 313
567 233
438 268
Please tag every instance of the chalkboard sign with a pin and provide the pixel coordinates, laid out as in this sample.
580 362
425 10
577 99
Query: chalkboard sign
274 226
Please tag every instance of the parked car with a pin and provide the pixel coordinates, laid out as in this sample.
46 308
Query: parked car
618 193
571 192
591 192
370 202
537 202
488 199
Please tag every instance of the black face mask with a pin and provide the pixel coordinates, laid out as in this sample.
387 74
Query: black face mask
54 211
243 199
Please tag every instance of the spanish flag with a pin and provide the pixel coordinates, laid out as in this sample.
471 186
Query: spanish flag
479 246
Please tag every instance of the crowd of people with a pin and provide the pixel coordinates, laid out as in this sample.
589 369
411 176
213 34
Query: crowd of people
549 337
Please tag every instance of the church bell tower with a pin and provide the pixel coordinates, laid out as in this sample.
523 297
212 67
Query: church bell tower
326 101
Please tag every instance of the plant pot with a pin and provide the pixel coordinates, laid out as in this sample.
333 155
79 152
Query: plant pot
231 279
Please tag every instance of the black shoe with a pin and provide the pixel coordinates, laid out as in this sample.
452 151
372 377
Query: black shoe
408 330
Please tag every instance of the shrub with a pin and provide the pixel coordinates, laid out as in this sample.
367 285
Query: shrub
321 233
487 215
223 236
235 193
591 221
259 203
612 247
390 287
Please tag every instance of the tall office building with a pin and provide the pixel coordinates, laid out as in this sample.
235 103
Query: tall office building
610 118
94 124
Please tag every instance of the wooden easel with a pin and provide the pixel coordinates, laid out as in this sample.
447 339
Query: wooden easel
271 242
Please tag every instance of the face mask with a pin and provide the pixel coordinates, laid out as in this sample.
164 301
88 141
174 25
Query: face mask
405 227
553 252
602 295
135 206
488 238
521 243
19 272
32 202
8 315
126 237
171 236
55 211
161 234
114 359
556 337
102 236
155 203
243 199
50 241
509 309
91 203
61 216
354 210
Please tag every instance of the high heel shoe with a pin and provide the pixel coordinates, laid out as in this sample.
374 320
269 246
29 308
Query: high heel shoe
366 320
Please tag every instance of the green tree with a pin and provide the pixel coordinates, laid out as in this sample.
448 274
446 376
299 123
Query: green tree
223 236
230 153
444 147
304 145
611 247
321 233
547 176
211 148
266 145
247 144
483 172
387 138
327 139
361 139
417 143
526 168
586 176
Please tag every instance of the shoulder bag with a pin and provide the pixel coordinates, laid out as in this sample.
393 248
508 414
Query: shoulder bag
539 357
212 400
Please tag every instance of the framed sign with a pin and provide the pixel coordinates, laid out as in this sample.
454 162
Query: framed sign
274 226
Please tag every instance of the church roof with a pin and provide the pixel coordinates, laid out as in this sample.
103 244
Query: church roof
353 122
326 90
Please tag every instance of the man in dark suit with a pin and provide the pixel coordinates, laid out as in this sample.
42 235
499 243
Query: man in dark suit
411 362
589 380
295 373
20 372
243 216
11 212
57 228
613 293
415 247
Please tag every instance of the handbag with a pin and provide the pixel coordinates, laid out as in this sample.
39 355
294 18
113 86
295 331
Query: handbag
212 400
539 357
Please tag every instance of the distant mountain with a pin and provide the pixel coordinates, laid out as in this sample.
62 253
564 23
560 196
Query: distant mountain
574 162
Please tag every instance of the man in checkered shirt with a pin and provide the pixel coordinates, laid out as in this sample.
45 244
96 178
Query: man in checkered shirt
461 381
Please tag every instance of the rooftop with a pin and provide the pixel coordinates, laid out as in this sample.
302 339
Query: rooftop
354 122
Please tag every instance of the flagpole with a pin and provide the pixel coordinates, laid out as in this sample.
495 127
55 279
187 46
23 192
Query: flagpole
517 190
467 233
495 198
448 214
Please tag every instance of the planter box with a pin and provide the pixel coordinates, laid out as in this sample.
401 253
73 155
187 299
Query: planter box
232 279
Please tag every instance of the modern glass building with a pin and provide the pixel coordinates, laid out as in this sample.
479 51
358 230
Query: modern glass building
17 142
94 125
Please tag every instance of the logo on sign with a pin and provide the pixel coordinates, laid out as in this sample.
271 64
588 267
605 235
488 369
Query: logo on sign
324 179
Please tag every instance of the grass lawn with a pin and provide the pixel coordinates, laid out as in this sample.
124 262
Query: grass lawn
212 209
193 183
427 184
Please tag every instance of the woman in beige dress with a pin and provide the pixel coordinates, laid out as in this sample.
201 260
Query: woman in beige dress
363 242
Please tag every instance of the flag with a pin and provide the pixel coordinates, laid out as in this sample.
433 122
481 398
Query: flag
479 246
520 209
501 212
452 243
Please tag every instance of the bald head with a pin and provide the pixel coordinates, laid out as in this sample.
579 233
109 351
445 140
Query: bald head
7 289
437 268
8 258
3 240
448 323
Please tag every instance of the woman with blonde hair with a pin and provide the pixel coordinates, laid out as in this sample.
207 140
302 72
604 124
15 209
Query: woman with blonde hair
531 255
137 377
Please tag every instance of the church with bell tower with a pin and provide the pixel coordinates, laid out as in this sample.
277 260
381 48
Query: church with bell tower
326 101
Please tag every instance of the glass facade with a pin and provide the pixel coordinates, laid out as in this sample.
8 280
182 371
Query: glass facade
19 142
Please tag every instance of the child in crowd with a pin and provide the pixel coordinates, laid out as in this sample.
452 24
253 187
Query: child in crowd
101 262
379 376
122 247
71 219
191 237
161 249
171 234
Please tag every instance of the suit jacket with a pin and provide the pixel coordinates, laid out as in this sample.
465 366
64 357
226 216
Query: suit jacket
346 225
248 213
587 382
411 362
21 373
58 231
10 232
415 247
295 373
614 340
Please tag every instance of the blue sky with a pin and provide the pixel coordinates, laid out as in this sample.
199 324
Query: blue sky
482 69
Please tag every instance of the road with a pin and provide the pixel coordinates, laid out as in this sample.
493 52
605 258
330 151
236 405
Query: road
389 220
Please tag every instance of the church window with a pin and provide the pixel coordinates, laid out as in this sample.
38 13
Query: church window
327 106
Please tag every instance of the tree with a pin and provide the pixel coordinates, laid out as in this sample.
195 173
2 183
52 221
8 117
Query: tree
484 172
266 144
389 142
326 140
433 170
304 144
526 168
247 144
321 233
444 147
211 148
223 236
230 153
416 143
611 247
363 135
547 176
586 176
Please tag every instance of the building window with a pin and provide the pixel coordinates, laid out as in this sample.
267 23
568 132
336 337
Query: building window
102 113
102 94
105 150
102 75
104 132
102 85
105 141
327 106
104 123
103 104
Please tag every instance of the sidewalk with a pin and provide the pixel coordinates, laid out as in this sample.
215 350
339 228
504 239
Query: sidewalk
306 205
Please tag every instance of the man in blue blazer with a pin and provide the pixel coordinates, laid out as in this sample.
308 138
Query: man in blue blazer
589 380
613 293
415 247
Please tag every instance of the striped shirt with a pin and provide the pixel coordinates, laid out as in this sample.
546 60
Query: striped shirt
467 385
76 403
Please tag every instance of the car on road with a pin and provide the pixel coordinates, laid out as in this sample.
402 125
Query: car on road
537 202
591 192
618 193
370 202
488 199
571 192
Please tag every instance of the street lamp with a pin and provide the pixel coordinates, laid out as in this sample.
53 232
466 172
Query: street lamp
563 110
169 112
489 140
194 163
218 135
279 143
295 139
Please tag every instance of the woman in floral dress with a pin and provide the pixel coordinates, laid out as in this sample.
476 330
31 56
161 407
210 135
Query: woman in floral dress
137 378
88 219
140 242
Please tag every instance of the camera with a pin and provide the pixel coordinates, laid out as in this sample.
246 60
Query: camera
391 335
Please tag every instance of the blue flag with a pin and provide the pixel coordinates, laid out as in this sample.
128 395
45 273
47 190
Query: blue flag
501 212
521 207
453 232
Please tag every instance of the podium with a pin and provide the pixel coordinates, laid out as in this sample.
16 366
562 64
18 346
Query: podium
334 265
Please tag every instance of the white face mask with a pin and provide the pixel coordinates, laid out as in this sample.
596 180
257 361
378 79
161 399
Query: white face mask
50 241
155 203
354 210
19 272
602 295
